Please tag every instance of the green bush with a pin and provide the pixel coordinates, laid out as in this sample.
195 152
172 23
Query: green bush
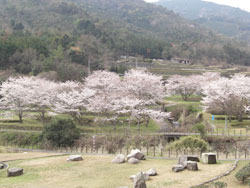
200 128
20 138
189 142
61 132
243 175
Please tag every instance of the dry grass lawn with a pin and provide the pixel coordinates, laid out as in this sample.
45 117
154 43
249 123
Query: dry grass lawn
24 155
98 172
231 180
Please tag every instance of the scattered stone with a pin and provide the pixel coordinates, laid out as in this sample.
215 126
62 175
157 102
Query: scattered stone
1 166
192 165
133 161
75 158
178 168
209 158
151 172
146 177
136 154
132 178
184 158
15 172
119 159
139 181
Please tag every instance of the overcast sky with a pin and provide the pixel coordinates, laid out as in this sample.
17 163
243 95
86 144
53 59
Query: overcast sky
243 4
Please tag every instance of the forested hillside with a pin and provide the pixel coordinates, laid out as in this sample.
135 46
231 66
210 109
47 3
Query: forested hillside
227 20
64 36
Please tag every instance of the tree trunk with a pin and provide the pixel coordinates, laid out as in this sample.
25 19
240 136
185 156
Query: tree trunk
147 122
20 115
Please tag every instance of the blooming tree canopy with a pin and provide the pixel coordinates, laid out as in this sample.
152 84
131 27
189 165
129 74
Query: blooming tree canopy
72 98
189 85
14 95
231 95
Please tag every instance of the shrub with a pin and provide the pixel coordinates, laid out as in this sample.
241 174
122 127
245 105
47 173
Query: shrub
20 138
200 128
243 175
61 132
189 142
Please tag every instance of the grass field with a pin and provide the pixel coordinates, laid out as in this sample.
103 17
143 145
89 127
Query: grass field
98 172
231 180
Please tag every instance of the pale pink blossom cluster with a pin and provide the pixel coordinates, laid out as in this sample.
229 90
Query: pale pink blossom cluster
230 95
103 93
187 86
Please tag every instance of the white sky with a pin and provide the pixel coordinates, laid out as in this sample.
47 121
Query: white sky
243 4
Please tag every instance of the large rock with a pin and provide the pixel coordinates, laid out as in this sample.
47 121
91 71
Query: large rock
184 158
139 181
178 168
151 172
133 161
119 159
209 158
136 154
14 172
146 177
192 165
1 166
75 158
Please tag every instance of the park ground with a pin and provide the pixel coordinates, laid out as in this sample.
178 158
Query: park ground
49 170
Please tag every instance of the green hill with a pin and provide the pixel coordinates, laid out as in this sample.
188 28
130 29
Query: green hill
227 20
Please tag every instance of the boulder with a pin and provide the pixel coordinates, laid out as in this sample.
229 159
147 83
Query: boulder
184 158
133 161
146 177
139 181
192 165
136 154
209 158
1 166
151 172
119 159
178 168
14 172
75 158
132 178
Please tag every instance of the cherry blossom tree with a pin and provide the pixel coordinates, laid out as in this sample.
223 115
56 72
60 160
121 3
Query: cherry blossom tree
107 89
231 95
140 89
41 95
26 94
186 86
14 95
73 99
